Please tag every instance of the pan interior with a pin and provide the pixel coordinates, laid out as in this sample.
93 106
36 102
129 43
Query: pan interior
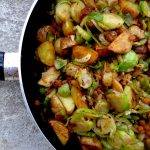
31 72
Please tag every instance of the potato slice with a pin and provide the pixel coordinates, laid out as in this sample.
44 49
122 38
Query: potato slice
46 53
122 44
55 104
81 52
91 143
78 97
49 77
68 103
102 51
117 86
61 131
90 3
129 7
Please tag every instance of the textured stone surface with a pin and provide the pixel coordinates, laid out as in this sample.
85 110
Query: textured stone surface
17 129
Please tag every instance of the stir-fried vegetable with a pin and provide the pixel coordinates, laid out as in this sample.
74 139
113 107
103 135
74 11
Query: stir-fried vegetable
96 77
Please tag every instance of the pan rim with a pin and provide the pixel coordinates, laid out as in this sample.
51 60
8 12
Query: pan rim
20 72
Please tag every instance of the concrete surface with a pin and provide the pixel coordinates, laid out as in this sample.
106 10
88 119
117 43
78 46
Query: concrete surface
17 130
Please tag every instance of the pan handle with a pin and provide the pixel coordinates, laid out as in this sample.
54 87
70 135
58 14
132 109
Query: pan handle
9 66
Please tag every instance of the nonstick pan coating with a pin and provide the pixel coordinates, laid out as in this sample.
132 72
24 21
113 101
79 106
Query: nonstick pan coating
31 71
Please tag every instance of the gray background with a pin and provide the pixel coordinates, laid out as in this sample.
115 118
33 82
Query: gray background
17 129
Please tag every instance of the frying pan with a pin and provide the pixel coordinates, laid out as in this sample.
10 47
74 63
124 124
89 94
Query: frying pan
30 71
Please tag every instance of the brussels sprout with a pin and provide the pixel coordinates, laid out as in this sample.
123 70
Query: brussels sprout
110 21
68 28
140 43
135 30
122 140
59 63
101 4
46 53
107 125
62 12
82 126
64 90
88 113
85 35
72 70
130 60
76 10
102 107
145 8
121 101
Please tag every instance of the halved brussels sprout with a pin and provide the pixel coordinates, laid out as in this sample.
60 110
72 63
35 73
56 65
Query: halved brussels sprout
76 10
64 90
68 28
121 101
130 60
110 21
145 8
62 12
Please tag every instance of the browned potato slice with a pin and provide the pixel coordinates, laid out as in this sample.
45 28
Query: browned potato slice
78 97
49 77
58 49
55 104
90 3
43 32
68 103
102 50
46 53
117 86
61 131
122 44
91 143
80 52
129 7
67 43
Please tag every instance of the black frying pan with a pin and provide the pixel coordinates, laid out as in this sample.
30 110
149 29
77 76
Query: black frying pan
30 71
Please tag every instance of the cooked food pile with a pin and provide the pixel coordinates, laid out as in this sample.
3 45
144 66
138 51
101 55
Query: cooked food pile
96 78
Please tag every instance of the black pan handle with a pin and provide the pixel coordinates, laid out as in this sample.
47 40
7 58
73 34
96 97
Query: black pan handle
2 65
9 63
